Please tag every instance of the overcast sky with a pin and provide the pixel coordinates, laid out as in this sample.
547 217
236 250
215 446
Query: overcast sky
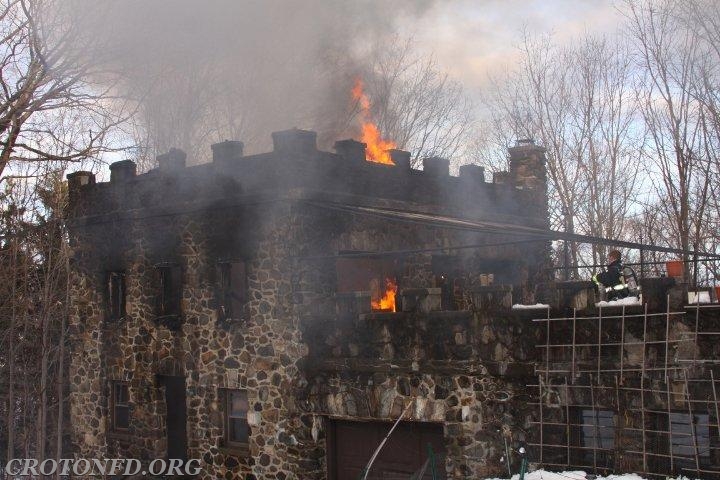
264 54
474 37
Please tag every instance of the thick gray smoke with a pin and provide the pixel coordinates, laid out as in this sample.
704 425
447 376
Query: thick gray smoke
204 71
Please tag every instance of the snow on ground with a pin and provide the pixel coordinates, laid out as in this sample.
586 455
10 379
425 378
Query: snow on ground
518 306
620 302
545 475
577 475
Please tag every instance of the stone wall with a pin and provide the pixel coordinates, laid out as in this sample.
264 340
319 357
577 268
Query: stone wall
458 368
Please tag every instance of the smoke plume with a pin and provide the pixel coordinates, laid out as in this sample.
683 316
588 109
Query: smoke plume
203 72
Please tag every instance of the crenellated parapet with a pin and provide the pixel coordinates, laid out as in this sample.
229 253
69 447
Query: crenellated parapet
297 167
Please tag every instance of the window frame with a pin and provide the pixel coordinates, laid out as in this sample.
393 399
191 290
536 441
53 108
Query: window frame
169 290
114 405
226 396
587 427
675 445
365 272
231 298
116 308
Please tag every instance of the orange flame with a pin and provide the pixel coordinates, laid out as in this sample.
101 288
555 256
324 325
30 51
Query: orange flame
376 146
387 302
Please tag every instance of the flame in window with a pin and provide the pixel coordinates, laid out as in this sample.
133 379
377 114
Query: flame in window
383 299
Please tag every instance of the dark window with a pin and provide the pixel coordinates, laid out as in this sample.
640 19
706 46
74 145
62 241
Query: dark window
658 455
233 289
594 438
237 430
119 406
115 296
175 415
682 442
169 289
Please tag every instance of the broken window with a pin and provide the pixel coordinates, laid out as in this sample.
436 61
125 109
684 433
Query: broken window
594 433
237 430
169 289
233 292
369 274
115 296
119 407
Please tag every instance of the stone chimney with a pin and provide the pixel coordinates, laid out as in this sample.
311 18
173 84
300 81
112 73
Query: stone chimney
295 141
122 171
528 171
227 151
172 160
352 150
501 178
528 166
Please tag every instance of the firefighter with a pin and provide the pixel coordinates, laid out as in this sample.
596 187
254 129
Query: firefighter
612 279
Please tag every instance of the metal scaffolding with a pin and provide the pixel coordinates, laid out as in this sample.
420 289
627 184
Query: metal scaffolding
628 390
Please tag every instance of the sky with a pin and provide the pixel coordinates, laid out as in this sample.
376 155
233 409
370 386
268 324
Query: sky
256 62
472 39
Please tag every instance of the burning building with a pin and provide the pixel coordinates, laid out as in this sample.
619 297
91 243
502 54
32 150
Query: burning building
269 313
272 315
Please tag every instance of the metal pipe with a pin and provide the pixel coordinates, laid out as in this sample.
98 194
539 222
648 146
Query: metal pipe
490 227
642 259
695 264
631 264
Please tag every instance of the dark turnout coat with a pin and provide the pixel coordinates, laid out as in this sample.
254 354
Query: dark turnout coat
612 276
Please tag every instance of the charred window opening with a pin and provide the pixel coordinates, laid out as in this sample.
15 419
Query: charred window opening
449 278
493 271
237 429
232 290
119 407
169 283
593 432
115 296
379 276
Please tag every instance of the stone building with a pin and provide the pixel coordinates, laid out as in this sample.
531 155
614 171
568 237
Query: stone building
272 315
231 311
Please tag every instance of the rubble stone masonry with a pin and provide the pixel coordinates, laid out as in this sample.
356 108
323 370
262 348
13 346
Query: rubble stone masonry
305 353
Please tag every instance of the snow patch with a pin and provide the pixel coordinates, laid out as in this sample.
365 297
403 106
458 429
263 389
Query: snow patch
577 475
619 302
545 475
518 306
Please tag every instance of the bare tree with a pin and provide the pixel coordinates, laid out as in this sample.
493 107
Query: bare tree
681 143
53 112
50 110
703 18
574 100
414 103
33 309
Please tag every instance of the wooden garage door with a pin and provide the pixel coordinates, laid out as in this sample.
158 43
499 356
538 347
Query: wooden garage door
351 444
